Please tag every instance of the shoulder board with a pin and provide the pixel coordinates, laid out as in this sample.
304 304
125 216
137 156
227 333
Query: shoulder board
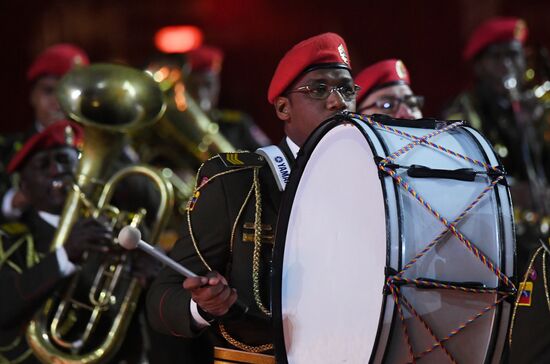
231 116
13 229
242 159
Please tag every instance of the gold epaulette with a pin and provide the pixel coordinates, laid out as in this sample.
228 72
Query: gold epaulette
242 159
13 229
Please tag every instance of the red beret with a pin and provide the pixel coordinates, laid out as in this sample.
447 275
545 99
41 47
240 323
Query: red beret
58 134
382 74
205 58
57 60
324 49
495 30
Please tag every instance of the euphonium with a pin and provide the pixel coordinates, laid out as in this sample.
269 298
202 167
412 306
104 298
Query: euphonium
88 321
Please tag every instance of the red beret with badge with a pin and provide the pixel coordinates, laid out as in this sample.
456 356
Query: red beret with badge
205 58
59 134
499 29
57 60
381 74
326 50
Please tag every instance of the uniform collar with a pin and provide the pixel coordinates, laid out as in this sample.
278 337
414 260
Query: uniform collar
294 148
51 219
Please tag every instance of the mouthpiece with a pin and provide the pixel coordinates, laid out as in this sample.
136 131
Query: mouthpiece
129 237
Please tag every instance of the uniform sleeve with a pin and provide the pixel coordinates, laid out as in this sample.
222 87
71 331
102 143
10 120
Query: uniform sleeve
23 293
168 304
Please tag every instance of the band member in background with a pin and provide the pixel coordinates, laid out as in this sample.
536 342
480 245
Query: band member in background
29 270
237 199
386 89
499 96
43 76
204 66
504 109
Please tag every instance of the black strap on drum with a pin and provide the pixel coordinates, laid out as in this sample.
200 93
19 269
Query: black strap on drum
461 174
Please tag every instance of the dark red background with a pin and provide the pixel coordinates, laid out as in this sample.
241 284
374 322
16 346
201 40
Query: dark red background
427 34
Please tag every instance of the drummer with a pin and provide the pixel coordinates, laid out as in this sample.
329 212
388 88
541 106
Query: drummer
386 89
232 215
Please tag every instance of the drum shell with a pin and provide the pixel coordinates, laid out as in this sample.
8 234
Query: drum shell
404 228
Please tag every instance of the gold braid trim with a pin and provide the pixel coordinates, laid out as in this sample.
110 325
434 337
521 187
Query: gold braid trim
242 346
32 256
256 254
520 291
257 246
198 188
544 276
239 216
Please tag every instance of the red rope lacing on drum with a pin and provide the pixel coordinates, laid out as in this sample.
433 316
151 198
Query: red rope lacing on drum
394 282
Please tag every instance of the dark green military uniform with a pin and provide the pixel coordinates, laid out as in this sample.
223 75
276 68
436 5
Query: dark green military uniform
530 321
532 318
29 273
236 195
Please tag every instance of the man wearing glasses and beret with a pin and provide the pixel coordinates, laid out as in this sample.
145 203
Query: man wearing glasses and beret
386 89
232 215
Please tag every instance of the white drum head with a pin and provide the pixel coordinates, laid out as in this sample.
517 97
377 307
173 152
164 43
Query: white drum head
336 245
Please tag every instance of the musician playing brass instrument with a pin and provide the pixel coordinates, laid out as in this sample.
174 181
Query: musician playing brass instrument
42 76
29 271
508 113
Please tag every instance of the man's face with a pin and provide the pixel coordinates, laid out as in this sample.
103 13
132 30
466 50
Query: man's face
304 113
397 101
44 101
47 176
501 63
204 87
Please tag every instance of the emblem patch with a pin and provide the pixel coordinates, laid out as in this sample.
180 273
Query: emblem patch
526 294
242 159
193 201
400 69
343 54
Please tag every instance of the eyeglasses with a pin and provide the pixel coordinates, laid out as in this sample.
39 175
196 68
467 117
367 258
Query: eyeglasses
391 103
322 91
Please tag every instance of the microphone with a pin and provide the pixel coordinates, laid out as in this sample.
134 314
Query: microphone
130 238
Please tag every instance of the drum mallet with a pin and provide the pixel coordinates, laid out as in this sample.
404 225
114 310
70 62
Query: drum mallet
130 238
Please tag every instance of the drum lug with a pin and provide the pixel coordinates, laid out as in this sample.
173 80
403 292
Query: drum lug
388 272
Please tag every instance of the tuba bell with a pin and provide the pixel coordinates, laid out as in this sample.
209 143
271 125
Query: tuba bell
86 322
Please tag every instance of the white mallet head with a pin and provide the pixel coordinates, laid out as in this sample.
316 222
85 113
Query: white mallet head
129 237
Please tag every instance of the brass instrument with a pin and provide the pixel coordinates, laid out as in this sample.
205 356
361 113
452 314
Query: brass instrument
184 120
87 324
183 138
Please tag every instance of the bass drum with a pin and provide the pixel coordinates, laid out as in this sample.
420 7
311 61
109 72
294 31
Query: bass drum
395 242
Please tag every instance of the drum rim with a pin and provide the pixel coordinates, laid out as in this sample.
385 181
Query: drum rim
282 227
284 217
